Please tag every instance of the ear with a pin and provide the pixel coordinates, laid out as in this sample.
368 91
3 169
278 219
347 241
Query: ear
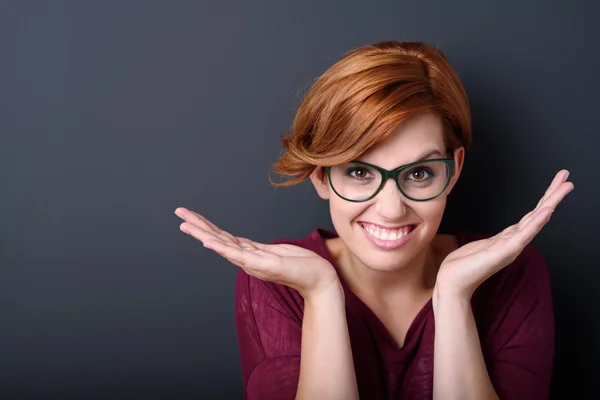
319 180
459 159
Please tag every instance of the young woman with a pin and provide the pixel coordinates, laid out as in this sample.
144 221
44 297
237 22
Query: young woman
388 307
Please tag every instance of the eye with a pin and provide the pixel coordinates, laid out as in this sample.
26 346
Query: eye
358 173
420 174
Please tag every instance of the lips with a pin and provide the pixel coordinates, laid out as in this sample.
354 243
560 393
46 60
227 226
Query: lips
383 238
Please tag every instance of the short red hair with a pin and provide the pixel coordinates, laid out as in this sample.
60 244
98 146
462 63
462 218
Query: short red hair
359 101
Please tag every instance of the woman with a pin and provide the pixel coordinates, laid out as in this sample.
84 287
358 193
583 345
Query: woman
364 311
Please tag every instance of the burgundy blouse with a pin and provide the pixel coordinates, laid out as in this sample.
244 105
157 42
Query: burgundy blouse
512 309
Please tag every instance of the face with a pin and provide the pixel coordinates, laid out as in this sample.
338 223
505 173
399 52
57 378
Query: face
359 225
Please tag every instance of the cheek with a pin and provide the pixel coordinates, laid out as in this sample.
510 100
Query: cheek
344 212
431 215
434 210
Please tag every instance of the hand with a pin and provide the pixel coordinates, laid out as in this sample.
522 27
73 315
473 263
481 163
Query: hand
463 270
286 264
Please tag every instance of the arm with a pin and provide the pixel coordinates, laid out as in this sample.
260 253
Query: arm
521 367
326 369
459 368
519 350
267 317
272 336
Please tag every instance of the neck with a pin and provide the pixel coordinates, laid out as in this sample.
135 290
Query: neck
413 280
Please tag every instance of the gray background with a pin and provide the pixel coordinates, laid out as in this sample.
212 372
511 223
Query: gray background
114 113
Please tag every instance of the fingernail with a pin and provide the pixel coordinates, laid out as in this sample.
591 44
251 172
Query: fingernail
207 246
184 230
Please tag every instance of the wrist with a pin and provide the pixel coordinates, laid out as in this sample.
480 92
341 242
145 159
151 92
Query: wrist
449 295
447 288
332 290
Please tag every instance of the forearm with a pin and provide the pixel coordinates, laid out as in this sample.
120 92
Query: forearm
326 365
459 370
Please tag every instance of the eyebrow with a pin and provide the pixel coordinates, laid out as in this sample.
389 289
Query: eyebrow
424 157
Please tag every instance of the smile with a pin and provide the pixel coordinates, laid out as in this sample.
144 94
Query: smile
387 238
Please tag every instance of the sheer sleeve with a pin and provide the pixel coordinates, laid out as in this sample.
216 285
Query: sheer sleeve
522 351
269 328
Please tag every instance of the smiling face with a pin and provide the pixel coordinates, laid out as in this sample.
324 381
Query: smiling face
361 226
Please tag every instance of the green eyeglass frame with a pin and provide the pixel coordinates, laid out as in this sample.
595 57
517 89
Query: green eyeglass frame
394 174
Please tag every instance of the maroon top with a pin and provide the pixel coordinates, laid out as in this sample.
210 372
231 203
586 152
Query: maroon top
513 311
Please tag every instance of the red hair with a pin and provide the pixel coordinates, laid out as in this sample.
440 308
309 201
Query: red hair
359 101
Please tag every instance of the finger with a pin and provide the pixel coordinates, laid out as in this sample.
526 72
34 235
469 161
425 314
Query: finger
248 246
202 234
259 246
264 250
559 178
508 231
243 258
206 221
218 231
198 233
526 234
551 202
526 217
194 217
202 222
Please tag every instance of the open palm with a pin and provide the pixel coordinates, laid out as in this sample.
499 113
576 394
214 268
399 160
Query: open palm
466 268
286 264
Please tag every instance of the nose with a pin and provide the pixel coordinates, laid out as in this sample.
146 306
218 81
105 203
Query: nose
390 202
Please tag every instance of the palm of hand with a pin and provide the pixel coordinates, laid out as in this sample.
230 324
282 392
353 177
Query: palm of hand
463 270
475 262
286 264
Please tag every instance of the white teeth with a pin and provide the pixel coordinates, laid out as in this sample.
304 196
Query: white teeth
386 234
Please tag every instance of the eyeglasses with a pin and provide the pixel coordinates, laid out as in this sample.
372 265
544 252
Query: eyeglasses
358 181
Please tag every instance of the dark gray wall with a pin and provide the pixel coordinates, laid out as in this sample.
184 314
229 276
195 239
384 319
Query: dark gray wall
114 113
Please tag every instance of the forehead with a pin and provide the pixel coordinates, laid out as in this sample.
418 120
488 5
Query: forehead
410 140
